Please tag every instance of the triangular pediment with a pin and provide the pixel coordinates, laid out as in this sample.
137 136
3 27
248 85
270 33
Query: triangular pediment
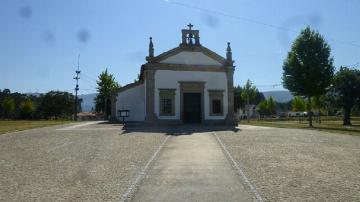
191 56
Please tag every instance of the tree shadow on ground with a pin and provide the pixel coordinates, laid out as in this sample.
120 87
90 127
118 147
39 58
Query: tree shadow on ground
176 130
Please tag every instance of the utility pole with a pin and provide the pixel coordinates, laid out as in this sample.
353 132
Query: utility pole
76 89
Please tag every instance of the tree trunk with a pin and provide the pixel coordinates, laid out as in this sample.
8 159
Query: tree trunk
346 120
309 112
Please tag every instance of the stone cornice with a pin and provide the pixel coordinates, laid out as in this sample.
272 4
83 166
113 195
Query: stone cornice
193 48
184 67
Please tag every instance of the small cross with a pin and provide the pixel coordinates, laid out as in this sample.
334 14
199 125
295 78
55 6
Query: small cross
190 26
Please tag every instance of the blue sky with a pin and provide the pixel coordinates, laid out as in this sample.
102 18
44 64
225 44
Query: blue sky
40 40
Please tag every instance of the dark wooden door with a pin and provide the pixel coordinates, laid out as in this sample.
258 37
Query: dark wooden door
192 108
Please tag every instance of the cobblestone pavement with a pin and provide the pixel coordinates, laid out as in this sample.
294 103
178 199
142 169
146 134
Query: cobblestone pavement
99 162
297 165
73 162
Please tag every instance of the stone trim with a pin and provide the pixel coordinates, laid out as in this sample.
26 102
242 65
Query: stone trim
230 117
184 67
150 116
192 87
185 32
216 95
198 48
167 94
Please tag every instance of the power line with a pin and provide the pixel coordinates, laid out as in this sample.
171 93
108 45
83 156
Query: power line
355 65
250 20
90 82
89 77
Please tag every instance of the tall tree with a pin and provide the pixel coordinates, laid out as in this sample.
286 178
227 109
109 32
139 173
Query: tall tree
308 68
248 94
26 109
259 97
271 105
106 84
56 104
262 108
8 106
238 101
3 94
347 87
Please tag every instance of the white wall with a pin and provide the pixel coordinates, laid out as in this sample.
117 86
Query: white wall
132 99
170 79
191 58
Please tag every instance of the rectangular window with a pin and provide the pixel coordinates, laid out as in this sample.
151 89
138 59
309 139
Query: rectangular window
167 102
216 102
166 106
216 106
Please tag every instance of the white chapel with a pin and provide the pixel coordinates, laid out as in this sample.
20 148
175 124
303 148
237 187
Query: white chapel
187 84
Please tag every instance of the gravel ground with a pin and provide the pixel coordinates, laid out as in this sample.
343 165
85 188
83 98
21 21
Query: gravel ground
298 165
89 163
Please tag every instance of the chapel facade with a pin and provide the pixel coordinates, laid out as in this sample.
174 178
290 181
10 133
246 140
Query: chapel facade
187 84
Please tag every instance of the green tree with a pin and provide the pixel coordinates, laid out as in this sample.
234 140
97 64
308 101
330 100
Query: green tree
56 104
271 106
267 107
298 104
308 68
249 92
347 87
137 78
331 103
3 94
258 98
238 101
106 85
8 107
318 102
26 109
263 108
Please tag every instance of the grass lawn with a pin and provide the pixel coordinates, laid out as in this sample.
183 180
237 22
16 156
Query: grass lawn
329 124
11 126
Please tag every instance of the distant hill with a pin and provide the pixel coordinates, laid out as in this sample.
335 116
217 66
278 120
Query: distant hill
33 94
88 102
279 96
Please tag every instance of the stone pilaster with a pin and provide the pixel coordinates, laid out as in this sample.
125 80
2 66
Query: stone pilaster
230 117
150 96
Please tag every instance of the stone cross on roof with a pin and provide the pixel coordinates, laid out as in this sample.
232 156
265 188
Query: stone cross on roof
190 26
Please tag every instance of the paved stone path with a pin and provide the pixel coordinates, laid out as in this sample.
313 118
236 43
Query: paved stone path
192 168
